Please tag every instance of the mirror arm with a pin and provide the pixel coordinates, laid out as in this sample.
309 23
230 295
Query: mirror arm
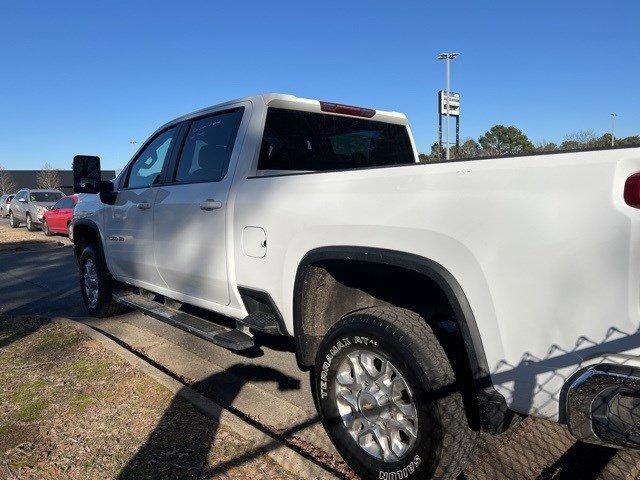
107 193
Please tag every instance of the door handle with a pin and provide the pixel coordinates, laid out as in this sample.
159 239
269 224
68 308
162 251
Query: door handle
210 204
144 206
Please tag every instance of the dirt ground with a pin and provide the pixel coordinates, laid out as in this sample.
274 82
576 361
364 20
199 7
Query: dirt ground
22 239
71 409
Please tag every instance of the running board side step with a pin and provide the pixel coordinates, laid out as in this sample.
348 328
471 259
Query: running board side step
603 406
230 338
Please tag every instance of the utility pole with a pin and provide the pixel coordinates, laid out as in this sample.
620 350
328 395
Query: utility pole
447 57
133 143
613 129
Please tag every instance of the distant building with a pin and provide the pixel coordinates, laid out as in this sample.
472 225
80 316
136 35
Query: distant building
28 178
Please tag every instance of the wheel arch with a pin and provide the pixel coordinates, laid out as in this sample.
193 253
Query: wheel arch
492 411
86 231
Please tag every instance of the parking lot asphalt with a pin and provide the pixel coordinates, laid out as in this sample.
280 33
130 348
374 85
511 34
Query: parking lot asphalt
41 278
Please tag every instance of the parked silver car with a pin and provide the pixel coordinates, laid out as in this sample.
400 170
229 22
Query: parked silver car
28 206
5 200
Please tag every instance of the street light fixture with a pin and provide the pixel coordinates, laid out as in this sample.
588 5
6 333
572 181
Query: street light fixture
447 57
613 129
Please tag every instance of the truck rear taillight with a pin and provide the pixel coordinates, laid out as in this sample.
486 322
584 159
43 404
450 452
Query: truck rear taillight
632 190
347 109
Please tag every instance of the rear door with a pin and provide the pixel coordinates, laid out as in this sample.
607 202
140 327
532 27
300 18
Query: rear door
191 209
129 231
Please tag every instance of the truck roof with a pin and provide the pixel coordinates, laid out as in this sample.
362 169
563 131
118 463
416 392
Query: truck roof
281 100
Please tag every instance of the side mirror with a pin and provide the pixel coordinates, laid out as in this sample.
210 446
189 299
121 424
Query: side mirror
86 174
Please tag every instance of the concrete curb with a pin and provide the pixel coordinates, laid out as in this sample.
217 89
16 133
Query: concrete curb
284 456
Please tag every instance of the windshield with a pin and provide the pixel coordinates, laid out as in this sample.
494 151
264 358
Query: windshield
45 196
296 140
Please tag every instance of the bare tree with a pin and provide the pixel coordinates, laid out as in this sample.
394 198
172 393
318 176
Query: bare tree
546 146
48 177
7 183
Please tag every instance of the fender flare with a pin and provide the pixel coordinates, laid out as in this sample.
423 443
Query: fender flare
493 408
86 223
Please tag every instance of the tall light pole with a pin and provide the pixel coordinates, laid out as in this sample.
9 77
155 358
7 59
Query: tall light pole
447 57
613 129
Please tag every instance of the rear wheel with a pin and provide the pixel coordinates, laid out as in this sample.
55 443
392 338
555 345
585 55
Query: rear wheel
389 399
45 228
30 225
13 221
97 284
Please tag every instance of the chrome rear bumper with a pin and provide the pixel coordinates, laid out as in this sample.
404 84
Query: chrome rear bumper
603 406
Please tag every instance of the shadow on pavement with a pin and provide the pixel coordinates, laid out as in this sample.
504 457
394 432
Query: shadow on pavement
582 460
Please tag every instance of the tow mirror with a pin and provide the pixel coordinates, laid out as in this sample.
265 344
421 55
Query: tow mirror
86 174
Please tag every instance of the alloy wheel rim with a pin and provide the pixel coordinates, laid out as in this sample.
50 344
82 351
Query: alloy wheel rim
376 405
90 276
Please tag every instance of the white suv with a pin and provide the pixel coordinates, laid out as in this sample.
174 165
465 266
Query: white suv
28 206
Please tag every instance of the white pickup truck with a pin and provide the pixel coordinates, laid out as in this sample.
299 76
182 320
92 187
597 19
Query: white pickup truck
430 302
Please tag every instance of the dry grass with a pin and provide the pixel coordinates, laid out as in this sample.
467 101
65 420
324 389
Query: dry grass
70 409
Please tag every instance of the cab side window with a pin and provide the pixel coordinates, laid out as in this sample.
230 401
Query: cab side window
146 170
207 147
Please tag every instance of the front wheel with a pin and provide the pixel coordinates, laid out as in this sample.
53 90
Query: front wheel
389 399
97 284
13 221
30 225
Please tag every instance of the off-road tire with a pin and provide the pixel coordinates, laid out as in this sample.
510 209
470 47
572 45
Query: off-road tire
445 442
31 226
13 221
106 306
45 228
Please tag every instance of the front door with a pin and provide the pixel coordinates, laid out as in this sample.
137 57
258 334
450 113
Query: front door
129 234
56 217
190 211
53 216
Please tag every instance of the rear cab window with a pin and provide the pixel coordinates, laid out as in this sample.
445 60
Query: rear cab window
308 141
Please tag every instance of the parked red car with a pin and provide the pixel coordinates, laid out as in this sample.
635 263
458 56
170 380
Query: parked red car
58 218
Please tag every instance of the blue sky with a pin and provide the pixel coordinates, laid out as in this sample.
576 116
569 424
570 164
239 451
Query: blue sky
87 77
